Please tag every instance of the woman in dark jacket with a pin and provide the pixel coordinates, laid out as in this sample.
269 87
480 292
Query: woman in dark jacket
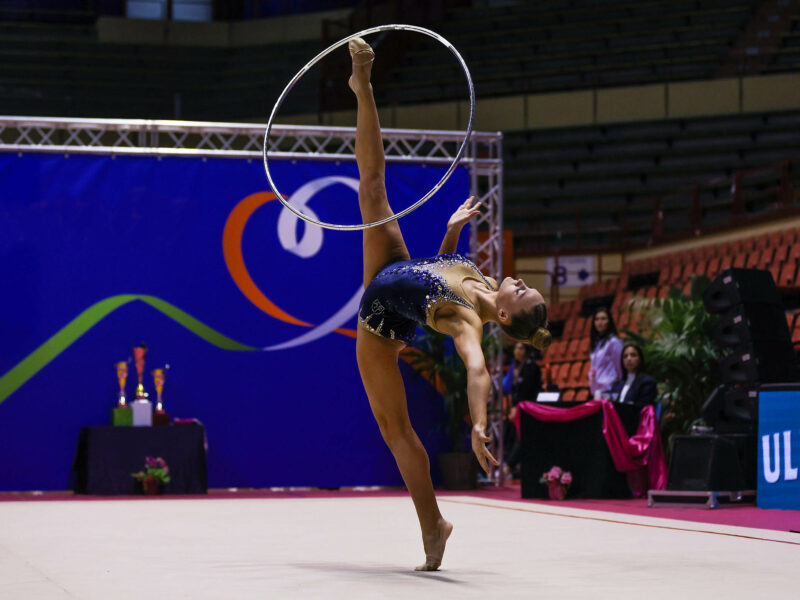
635 386
522 383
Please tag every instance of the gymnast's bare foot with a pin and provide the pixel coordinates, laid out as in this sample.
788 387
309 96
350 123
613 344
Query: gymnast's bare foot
434 546
362 56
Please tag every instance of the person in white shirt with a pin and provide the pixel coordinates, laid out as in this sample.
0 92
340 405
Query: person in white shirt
606 349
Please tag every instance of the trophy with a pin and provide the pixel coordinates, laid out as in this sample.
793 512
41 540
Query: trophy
121 415
122 377
142 407
138 357
158 381
160 417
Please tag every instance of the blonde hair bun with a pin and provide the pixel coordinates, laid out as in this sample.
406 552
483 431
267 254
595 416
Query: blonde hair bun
541 339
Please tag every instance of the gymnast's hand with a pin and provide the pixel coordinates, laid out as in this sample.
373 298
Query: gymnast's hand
479 441
463 214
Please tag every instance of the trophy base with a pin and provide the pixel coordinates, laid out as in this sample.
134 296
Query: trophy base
122 416
142 413
160 418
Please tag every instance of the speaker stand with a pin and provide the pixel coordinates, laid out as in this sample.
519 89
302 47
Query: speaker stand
683 499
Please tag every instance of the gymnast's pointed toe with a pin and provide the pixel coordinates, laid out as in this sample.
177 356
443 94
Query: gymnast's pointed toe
360 51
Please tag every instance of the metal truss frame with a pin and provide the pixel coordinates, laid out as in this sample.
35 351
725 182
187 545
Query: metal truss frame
483 158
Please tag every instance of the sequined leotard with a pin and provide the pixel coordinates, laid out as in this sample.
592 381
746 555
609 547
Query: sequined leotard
405 294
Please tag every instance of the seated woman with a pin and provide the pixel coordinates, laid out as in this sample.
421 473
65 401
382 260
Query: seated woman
606 349
446 292
635 386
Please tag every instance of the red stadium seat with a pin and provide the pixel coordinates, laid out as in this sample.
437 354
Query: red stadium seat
562 375
585 327
762 241
583 347
574 379
709 251
572 349
569 328
726 262
765 258
676 273
739 260
787 276
568 396
790 316
725 249
712 270
584 379
775 269
781 253
582 395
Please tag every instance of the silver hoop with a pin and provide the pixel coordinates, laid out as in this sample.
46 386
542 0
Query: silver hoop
314 61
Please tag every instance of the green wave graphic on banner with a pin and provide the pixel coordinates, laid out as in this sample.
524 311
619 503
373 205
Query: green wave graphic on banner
39 358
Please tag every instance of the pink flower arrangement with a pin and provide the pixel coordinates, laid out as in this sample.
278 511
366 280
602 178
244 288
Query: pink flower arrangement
155 468
557 482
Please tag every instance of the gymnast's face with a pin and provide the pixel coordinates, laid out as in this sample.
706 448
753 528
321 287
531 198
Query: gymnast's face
513 297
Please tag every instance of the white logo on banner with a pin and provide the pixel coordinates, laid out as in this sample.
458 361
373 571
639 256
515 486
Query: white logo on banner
772 462
571 271
306 247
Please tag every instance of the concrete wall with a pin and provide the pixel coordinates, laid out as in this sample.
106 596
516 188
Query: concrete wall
597 106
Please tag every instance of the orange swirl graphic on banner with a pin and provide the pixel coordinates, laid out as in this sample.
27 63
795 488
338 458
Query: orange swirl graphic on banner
234 260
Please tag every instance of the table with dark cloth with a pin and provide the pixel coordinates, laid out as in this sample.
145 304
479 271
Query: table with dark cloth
106 457
577 446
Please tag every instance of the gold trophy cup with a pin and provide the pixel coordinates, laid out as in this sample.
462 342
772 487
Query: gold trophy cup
138 358
158 381
122 377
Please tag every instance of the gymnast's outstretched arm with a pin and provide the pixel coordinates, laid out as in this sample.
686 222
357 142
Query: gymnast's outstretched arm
456 222
467 332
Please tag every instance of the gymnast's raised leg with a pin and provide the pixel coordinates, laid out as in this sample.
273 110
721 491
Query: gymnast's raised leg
378 357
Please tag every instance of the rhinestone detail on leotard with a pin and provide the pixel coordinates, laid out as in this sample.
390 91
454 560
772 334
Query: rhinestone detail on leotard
431 273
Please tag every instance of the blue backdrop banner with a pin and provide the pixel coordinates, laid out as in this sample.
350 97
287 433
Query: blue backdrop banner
253 311
778 449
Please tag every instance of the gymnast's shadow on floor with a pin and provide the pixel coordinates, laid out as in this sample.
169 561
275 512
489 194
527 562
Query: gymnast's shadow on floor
382 571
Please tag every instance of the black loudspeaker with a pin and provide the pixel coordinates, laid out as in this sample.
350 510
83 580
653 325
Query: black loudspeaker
732 409
739 286
751 322
766 362
705 464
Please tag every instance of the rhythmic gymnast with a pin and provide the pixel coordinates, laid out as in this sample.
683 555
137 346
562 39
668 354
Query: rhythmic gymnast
446 292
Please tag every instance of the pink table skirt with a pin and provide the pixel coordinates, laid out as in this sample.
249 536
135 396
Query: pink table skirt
640 456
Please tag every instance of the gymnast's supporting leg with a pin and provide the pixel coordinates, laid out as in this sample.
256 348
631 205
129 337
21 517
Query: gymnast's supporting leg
378 357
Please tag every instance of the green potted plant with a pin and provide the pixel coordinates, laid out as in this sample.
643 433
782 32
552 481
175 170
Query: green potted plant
154 475
433 357
680 352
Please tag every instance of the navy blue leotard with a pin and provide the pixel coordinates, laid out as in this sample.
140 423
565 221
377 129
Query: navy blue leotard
405 294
